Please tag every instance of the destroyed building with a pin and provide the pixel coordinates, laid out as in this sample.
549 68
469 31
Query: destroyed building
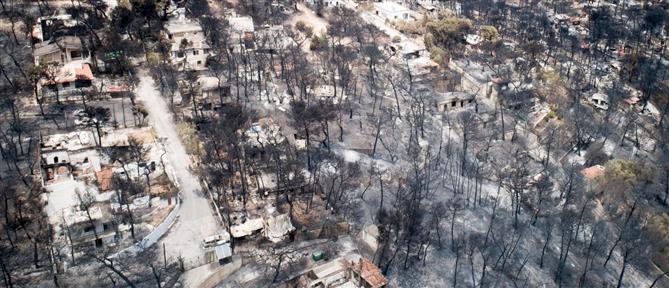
351 270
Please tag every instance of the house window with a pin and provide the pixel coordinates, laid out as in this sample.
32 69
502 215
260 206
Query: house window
180 54
98 243
196 52
75 54
65 84
89 229
55 159
453 104
105 226
199 62
206 51
82 83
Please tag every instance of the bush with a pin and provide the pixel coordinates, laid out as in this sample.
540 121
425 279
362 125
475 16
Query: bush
300 26
153 58
189 137
439 55
318 42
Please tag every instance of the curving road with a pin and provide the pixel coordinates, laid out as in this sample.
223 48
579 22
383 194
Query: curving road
195 220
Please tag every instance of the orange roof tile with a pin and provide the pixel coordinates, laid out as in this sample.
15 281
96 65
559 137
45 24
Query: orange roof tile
84 73
371 273
104 178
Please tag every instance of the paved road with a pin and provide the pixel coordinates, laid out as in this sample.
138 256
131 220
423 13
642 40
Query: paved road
196 220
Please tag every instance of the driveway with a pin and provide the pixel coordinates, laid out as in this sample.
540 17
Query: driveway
195 220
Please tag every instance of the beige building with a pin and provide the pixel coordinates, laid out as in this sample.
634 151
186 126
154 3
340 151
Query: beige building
61 51
391 11
476 79
351 270
189 49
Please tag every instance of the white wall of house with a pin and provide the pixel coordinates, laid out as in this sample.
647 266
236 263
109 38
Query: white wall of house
191 58
64 56
391 11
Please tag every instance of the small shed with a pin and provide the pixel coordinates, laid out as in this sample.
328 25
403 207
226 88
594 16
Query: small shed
223 253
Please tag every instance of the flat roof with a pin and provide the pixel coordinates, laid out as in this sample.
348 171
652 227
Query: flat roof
66 42
181 25
223 251
474 69
371 273
391 7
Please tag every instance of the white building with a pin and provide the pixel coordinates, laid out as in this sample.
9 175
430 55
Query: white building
476 79
189 50
452 101
391 11
328 3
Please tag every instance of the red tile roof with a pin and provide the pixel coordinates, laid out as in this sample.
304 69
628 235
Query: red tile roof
84 73
104 178
371 273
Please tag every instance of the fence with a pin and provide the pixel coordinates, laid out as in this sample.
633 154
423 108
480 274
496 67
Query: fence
153 237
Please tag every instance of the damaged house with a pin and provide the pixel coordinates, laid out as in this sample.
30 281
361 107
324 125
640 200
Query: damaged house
188 47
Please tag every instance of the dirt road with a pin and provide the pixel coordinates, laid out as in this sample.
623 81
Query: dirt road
196 220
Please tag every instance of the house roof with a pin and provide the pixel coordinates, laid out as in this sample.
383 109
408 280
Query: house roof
69 141
104 178
472 68
73 217
223 251
391 7
71 72
65 42
208 83
246 228
409 47
83 72
371 273
181 25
